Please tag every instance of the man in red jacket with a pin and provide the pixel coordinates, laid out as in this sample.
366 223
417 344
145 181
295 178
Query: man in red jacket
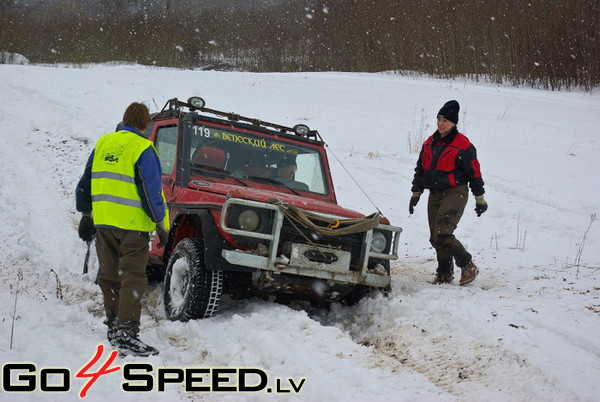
447 164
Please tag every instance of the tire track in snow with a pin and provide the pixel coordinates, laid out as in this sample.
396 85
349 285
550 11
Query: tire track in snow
457 364
434 330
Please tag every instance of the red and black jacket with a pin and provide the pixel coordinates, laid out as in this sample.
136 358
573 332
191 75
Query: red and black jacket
447 162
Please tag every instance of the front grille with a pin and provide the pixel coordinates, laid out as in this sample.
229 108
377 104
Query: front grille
352 242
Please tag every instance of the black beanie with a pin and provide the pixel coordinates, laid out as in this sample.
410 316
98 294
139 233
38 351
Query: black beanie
450 111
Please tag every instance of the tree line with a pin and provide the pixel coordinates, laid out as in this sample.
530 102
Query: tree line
551 44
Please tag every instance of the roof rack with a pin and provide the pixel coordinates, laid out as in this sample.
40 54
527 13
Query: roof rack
173 108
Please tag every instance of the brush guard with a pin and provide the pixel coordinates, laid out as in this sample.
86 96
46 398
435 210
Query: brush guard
310 260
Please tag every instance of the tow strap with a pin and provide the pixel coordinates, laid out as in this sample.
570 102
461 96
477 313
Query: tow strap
327 226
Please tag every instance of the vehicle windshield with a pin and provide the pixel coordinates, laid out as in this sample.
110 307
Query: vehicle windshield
251 157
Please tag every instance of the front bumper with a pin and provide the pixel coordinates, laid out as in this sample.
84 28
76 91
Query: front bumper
334 265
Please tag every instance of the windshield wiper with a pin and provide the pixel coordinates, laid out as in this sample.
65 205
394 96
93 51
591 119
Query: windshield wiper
214 169
271 181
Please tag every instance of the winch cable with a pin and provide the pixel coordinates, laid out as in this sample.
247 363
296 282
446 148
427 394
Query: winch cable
353 179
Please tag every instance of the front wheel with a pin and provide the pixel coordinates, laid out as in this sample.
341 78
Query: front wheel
191 291
356 295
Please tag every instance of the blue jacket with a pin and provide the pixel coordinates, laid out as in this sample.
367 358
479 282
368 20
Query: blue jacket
147 179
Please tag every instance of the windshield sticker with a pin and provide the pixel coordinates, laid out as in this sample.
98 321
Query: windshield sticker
243 139
255 142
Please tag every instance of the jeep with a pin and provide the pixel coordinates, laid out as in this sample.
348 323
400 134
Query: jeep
253 213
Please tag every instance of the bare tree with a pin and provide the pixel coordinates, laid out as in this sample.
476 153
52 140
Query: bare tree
544 43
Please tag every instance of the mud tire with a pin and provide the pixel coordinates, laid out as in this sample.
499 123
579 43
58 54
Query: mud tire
190 290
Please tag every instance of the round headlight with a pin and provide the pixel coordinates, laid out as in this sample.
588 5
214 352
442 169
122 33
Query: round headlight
248 220
378 242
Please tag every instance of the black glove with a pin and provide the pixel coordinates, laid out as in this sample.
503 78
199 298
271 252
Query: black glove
480 205
414 199
163 235
86 228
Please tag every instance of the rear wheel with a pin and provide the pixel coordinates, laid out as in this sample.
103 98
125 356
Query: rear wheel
191 291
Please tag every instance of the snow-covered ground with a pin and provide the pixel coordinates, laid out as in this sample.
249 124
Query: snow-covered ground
527 329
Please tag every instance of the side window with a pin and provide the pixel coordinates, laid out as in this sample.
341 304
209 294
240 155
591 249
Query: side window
310 172
166 145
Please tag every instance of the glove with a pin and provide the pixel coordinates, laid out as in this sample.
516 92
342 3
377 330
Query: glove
163 235
413 202
480 205
86 228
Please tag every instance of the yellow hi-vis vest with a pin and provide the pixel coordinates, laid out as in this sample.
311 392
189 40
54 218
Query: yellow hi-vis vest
115 198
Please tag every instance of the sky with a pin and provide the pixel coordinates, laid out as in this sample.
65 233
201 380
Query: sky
526 329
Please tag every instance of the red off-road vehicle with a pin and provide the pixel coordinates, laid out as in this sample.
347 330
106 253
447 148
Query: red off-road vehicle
253 212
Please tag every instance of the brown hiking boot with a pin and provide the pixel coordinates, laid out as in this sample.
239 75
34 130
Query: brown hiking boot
442 278
469 273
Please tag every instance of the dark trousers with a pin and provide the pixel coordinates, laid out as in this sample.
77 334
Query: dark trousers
444 210
123 256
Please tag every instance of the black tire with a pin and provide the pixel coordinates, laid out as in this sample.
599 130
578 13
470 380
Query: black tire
362 291
191 291
356 295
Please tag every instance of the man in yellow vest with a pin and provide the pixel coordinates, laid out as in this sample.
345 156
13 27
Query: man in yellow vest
121 198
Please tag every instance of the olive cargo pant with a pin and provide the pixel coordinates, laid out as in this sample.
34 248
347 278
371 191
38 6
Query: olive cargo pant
444 210
123 256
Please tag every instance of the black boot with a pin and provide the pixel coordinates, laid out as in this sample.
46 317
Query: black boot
128 343
111 333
